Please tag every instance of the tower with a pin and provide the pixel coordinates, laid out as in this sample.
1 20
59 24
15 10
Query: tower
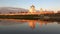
32 9
41 10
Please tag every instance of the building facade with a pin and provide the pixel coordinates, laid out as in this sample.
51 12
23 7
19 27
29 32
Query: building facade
32 9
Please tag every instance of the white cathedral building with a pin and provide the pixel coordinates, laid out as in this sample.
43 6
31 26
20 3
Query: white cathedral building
32 9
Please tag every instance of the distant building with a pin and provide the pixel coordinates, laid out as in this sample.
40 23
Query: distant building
32 9
41 10
58 11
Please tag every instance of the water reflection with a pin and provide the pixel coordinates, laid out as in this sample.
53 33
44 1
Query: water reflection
31 23
29 26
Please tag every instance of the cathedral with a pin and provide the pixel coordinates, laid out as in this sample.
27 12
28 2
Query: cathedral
32 9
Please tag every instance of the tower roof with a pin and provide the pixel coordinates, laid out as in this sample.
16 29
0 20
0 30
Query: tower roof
32 6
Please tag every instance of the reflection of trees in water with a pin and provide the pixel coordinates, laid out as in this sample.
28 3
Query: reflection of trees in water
31 23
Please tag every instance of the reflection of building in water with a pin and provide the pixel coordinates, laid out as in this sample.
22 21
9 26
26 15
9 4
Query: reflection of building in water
32 24
32 9
42 23
46 23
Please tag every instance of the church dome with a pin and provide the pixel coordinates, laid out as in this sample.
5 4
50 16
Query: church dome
32 6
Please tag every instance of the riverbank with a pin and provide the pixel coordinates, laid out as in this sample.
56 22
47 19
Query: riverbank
32 17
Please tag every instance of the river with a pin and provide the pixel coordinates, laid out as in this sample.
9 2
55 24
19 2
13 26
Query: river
17 26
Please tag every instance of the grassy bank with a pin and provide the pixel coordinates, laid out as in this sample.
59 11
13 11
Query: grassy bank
41 17
21 16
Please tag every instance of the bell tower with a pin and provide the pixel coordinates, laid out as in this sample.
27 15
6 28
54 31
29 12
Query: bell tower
32 9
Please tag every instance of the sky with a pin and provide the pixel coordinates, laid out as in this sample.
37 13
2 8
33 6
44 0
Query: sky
45 4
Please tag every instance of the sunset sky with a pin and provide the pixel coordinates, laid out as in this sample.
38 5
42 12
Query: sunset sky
45 4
